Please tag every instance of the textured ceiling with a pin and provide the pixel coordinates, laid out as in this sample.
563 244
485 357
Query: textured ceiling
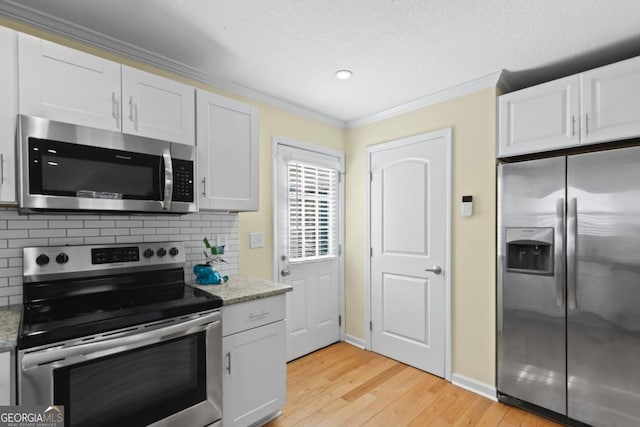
398 50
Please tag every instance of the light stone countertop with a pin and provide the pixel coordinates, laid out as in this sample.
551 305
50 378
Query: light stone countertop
245 288
238 289
9 325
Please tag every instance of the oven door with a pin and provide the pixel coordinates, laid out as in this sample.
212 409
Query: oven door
168 376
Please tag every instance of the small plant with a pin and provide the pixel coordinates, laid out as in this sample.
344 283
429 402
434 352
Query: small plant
213 254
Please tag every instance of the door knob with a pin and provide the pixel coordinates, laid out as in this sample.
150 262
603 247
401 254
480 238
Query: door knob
285 272
435 269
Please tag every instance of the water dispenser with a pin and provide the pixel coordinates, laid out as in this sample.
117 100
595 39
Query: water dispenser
530 250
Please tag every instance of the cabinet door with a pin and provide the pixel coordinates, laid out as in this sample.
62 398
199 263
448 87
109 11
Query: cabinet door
611 102
539 118
8 111
254 376
6 379
157 107
67 85
227 134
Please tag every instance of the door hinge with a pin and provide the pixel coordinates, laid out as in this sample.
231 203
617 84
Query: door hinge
340 249
339 321
370 325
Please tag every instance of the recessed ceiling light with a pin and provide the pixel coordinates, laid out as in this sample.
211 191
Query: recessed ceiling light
343 74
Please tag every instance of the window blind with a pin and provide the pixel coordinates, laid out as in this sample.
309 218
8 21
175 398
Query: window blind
312 211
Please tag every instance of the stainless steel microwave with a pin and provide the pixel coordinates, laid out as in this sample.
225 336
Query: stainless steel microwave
64 167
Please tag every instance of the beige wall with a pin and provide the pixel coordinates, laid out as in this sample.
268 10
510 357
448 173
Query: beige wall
275 122
472 119
272 122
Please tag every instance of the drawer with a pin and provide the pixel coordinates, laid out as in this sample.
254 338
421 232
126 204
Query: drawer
251 314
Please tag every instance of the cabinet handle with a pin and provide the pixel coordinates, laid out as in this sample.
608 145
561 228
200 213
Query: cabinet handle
135 116
229 362
115 109
131 108
258 314
586 125
204 186
573 125
1 168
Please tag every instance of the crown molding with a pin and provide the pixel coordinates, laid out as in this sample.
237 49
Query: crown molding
505 83
37 19
490 80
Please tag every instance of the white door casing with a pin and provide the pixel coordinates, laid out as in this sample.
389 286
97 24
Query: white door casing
409 264
315 307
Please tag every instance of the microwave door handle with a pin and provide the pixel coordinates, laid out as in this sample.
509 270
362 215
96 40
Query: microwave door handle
168 179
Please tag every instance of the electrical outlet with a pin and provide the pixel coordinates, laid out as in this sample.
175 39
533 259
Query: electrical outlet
256 240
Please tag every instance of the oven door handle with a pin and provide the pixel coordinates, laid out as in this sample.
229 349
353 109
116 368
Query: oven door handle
119 344
168 179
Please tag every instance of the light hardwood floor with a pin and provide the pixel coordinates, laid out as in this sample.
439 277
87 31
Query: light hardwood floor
342 385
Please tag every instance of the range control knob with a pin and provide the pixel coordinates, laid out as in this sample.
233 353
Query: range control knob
173 251
161 252
62 258
42 259
148 253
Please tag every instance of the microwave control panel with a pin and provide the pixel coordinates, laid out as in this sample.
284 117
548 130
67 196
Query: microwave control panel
182 180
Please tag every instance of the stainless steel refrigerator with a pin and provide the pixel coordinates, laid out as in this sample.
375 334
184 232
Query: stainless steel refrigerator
569 286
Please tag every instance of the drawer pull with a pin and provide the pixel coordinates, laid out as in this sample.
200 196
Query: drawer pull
258 314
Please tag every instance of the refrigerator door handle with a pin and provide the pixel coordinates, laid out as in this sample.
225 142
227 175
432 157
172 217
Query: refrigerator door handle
558 252
572 236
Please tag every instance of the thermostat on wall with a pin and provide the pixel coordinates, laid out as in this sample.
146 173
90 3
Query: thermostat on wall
467 205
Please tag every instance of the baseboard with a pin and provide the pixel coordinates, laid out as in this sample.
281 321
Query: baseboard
475 386
354 341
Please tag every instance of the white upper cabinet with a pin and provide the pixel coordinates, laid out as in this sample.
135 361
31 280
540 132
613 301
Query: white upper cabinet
611 102
539 118
227 135
8 112
67 85
64 84
600 105
157 107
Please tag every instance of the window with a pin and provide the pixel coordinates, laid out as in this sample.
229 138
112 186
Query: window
312 210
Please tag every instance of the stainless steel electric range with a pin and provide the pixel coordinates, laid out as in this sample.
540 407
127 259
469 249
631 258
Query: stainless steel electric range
115 335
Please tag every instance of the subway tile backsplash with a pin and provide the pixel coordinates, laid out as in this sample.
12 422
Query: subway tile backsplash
18 231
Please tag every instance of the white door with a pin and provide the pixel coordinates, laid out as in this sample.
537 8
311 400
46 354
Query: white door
308 213
611 103
227 135
157 107
64 84
409 231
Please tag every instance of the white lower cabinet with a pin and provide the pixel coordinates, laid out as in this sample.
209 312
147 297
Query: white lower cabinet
6 379
254 361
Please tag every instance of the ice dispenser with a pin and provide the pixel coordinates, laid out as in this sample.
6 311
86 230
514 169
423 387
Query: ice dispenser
530 250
